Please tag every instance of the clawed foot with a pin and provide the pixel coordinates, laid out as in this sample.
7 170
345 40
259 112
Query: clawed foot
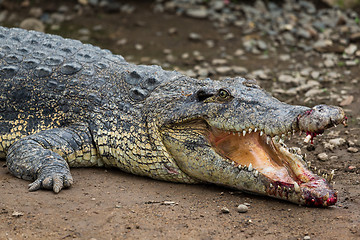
50 180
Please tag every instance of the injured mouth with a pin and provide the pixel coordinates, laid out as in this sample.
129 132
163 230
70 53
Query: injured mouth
285 171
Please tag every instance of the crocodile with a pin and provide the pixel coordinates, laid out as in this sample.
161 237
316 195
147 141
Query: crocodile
67 104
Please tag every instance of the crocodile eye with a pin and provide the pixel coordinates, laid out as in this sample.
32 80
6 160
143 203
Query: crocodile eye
223 93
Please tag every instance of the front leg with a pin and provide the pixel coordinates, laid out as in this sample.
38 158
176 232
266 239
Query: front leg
43 157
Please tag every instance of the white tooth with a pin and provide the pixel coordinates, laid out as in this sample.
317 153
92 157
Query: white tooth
250 168
244 133
271 185
239 167
261 133
233 163
255 130
307 139
331 177
268 139
296 187
256 173
250 130
309 164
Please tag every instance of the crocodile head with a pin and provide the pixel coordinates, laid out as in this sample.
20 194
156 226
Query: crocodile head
227 132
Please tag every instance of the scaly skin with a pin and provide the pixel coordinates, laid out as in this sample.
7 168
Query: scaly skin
67 104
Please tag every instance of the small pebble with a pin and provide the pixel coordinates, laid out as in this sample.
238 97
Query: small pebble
242 208
225 210
353 149
323 157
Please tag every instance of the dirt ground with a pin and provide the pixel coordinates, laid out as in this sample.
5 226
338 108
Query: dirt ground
110 204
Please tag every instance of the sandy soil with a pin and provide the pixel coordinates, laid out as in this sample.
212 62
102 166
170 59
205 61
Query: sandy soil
110 204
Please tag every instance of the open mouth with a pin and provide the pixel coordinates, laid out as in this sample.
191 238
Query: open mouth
284 170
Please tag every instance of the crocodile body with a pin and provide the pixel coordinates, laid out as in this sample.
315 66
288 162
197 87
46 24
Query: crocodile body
67 104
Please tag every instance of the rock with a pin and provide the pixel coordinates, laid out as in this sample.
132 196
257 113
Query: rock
139 47
343 3
17 214
306 86
195 37
229 36
333 75
172 31
323 157
322 45
122 41
305 72
290 79
32 24
352 149
351 63
307 238
126 8
347 101
336 142
197 13
185 56
261 45
225 210
260 74
329 63
203 72
351 49
3 15
84 31
315 74
289 39
223 70
355 37
239 70
284 57
35 12
170 58
190 73
313 92
239 52
242 208
210 43
63 9
303 33
217 5
218 61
